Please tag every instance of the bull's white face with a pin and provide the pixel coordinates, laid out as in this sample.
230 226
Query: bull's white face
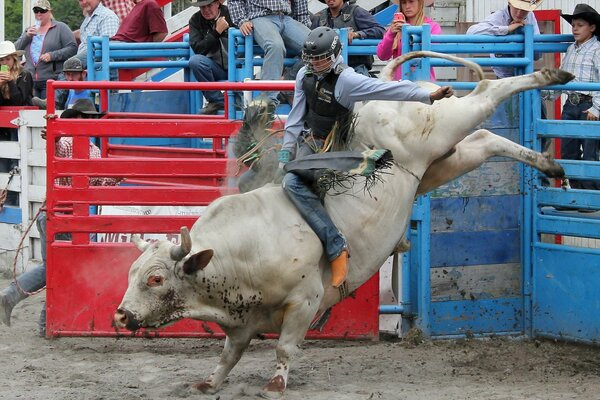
154 296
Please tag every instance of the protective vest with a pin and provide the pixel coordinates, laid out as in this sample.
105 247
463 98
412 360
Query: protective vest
345 20
323 109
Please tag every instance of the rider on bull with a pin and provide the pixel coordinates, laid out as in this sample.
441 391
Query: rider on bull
325 92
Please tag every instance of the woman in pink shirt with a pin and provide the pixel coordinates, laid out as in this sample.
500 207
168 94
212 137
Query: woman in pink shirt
391 44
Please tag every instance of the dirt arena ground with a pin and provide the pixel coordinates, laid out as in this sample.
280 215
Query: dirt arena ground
127 369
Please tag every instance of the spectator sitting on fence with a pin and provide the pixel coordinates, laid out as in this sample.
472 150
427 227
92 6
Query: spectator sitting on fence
508 20
34 279
47 44
278 26
74 72
411 12
99 21
16 88
209 41
582 60
360 23
145 23
120 7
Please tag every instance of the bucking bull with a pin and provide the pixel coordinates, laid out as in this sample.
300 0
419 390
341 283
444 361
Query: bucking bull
252 265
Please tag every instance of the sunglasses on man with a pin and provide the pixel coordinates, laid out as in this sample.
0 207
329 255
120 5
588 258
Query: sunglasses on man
37 10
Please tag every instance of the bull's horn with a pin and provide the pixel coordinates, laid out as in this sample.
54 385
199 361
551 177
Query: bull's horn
140 243
178 252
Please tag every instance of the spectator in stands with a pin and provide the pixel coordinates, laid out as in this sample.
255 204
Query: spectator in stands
16 88
47 44
120 7
508 20
74 72
278 26
582 60
208 40
412 13
145 23
360 23
99 21
35 279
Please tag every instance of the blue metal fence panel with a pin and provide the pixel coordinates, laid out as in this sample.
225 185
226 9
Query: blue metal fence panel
566 304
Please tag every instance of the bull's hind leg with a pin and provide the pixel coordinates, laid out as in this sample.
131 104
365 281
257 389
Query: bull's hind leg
236 342
474 150
296 320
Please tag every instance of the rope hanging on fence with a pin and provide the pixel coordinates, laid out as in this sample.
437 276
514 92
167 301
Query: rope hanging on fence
4 192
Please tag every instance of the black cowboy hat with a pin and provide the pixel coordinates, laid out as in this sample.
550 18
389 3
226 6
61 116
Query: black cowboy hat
586 12
82 108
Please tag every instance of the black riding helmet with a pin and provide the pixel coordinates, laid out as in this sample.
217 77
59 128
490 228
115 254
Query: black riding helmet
321 48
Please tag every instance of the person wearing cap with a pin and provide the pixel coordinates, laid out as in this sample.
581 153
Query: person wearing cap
209 40
582 60
34 279
98 21
278 27
47 45
73 71
413 13
145 23
360 23
508 20
16 88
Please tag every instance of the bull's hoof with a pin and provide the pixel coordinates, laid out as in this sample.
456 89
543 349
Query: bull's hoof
556 75
553 170
274 389
205 387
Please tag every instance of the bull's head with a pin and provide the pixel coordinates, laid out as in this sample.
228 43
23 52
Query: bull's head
159 283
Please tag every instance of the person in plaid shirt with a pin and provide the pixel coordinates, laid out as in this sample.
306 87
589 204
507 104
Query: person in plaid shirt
99 21
582 60
120 7
34 279
278 26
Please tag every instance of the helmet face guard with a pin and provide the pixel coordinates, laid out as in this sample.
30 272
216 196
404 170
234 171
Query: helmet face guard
320 51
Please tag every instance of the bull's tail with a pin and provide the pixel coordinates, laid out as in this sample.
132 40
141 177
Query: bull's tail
387 74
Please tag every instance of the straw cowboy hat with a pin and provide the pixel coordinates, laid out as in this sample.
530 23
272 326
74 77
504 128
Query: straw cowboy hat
583 11
7 48
428 3
527 5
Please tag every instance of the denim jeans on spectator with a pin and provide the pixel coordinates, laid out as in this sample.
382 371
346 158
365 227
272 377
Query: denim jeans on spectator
361 69
39 89
276 34
571 148
206 70
312 210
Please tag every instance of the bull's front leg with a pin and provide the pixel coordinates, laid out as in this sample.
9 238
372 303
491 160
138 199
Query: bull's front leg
296 320
474 150
236 342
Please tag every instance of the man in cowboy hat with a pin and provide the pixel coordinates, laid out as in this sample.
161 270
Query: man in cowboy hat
209 40
506 21
582 60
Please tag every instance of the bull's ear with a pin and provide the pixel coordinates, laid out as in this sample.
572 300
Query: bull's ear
197 262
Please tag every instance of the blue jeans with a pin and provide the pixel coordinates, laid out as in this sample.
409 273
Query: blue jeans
579 149
32 280
312 210
39 89
206 70
276 34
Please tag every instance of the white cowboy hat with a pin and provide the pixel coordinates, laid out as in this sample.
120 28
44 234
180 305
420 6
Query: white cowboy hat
527 5
428 3
7 48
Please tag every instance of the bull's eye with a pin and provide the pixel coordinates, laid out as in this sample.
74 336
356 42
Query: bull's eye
155 280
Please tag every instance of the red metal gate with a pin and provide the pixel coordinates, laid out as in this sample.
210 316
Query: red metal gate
86 280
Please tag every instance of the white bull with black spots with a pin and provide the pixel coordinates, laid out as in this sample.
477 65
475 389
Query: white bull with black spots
251 263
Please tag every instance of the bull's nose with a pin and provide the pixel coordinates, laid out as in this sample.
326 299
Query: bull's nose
126 319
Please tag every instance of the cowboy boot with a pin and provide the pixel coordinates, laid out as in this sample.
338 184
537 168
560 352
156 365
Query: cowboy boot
9 298
339 269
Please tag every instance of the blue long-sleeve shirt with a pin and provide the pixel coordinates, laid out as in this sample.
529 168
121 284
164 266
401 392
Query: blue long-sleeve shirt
350 88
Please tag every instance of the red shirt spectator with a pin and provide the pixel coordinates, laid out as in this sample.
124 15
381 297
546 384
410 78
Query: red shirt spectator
145 23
